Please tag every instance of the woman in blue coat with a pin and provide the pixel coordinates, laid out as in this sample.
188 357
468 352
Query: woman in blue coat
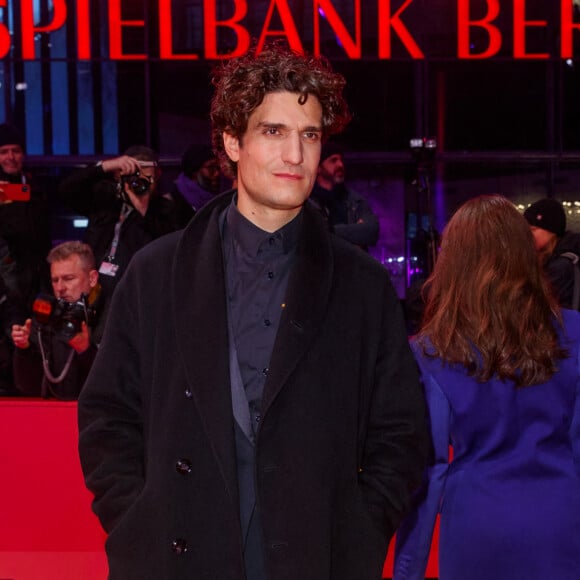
500 366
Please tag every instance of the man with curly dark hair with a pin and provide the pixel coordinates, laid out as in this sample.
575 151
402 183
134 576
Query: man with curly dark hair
257 415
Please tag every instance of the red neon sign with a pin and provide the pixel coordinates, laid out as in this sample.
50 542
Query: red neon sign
394 22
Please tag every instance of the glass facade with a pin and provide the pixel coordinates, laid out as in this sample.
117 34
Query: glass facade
85 79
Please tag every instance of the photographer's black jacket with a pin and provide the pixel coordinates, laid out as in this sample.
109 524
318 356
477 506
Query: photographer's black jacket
24 230
29 376
93 193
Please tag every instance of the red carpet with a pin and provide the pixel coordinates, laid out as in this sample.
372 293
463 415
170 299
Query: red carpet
47 529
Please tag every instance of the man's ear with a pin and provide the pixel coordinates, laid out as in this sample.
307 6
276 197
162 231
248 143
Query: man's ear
93 278
231 146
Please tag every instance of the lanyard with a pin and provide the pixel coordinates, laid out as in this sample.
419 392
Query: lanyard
125 211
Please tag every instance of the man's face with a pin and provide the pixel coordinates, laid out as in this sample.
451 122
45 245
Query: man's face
541 237
277 158
70 278
11 159
331 170
209 175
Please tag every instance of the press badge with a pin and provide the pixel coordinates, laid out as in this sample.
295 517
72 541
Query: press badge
108 269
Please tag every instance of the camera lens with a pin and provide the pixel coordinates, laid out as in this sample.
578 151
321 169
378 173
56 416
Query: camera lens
139 185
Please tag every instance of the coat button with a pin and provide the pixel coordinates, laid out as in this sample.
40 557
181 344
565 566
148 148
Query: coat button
179 546
277 546
188 393
183 466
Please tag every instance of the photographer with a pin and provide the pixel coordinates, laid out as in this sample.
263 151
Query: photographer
24 225
54 353
125 211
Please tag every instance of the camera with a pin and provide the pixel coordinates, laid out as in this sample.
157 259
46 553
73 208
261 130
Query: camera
423 149
138 184
63 318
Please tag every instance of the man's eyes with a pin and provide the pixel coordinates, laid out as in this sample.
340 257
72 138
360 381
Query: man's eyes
312 135
308 135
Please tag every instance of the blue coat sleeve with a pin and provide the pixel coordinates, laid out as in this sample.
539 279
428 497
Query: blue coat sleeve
575 426
414 536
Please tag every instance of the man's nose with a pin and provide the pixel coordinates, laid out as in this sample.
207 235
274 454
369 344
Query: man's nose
292 152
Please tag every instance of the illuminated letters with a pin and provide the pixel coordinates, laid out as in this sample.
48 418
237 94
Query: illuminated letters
4 35
116 26
352 48
29 30
166 34
210 25
520 25
464 24
567 7
386 22
289 30
476 20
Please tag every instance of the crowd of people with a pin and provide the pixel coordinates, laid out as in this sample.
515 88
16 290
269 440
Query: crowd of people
256 409
126 210
40 284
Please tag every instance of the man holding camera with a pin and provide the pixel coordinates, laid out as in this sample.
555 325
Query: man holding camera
125 210
54 354
24 228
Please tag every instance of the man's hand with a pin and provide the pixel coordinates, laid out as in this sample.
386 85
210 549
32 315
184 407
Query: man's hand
119 166
81 341
21 334
126 165
139 202
3 199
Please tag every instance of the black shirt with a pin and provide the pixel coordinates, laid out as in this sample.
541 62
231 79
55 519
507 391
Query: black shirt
258 265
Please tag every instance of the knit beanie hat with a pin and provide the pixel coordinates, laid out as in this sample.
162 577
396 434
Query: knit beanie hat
547 214
329 149
142 153
9 135
195 157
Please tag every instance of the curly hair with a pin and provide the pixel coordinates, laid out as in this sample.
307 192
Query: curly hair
242 83
489 307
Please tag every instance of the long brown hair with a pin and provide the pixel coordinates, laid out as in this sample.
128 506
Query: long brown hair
489 307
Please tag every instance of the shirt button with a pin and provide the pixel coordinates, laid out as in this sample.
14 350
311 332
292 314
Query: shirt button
272 241
179 546
183 466
265 370
267 322
270 275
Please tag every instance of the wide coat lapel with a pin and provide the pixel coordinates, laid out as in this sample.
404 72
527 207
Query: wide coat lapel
200 315
306 302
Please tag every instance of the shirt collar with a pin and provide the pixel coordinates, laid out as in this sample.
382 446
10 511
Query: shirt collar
252 240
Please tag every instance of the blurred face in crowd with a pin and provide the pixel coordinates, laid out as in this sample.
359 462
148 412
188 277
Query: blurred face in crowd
11 159
542 238
331 171
209 175
71 277
277 158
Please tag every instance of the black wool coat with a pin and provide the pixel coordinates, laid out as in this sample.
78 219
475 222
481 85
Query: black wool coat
342 441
